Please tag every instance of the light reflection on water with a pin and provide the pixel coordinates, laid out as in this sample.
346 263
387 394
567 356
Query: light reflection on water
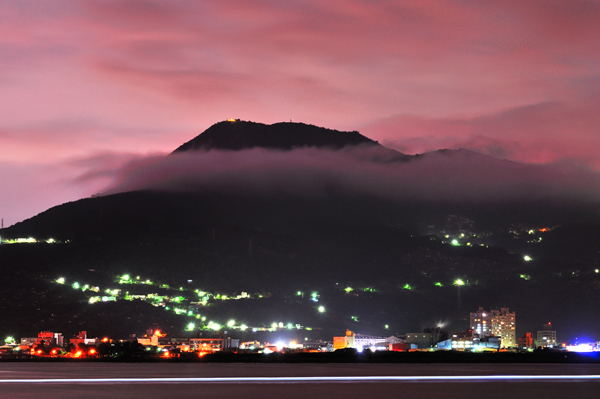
364 390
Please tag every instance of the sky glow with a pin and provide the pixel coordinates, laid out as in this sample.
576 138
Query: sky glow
87 86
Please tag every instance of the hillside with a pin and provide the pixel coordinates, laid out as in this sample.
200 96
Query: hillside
374 259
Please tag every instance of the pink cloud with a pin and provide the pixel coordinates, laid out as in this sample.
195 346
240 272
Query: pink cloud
517 79
540 133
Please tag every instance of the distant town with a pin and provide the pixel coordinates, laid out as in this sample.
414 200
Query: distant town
491 331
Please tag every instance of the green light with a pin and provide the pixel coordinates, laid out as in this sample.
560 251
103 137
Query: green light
243 327
9 340
407 287
355 318
459 282
321 309
75 286
314 294
191 326
455 243
230 323
527 258
299 293
525 276
387 327
62 280
349 289
290 326
438 284
125 277
274 325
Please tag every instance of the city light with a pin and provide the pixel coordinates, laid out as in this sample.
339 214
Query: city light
230 323
527 258
455 243
60 280
321 309
9 340
191 326
459 282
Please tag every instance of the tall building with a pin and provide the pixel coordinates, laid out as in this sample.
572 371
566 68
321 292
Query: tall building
547 337
499 323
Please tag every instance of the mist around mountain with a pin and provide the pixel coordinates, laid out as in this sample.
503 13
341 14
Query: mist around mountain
287 208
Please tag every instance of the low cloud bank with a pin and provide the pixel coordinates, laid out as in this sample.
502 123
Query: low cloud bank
440 176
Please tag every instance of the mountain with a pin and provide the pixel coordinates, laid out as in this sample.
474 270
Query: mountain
290 208
238 135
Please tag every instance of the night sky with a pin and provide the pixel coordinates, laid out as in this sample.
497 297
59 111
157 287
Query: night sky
87 86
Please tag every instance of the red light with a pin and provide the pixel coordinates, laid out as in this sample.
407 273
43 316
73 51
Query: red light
92 351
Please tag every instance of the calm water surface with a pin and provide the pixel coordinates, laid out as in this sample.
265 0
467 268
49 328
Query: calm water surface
365 390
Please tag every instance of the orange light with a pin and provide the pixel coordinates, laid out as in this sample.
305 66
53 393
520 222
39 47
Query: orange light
105 339
202 354
157 332
166 354
39 351
54 351
92 351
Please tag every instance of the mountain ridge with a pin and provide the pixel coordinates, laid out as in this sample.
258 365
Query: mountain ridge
238 135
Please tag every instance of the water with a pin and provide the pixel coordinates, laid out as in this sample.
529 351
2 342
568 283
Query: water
506 388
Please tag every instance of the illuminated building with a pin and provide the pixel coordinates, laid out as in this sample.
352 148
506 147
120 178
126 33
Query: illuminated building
526 341
206 344
48 338
346 341
82 339
361 341
467 341
500 323
547 337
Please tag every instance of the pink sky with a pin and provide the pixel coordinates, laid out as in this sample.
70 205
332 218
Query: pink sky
87 85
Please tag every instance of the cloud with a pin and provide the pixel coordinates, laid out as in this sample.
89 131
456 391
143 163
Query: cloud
515 79
540 133
442 176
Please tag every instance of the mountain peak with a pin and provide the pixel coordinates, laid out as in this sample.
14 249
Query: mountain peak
236 135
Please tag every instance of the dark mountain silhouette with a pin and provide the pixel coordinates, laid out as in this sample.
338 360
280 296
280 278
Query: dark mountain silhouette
282 242
239 135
